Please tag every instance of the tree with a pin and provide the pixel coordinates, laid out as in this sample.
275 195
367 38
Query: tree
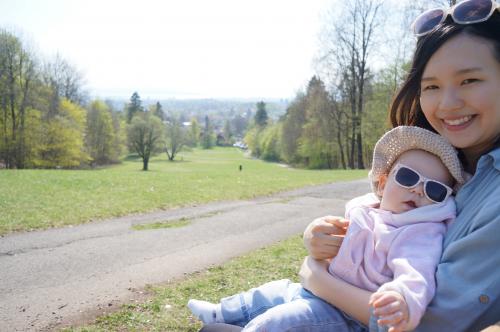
193 136
239 124
346 49
145 137
63 138
64 81
317 142
101 132
293 123
158 111
175 138
261 117
17 79
134 106
270 146
208 136
252 141
228 133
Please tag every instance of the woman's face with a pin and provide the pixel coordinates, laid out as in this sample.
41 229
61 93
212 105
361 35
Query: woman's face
460 94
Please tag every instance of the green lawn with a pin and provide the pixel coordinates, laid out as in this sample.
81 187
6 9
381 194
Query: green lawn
166 308
37 199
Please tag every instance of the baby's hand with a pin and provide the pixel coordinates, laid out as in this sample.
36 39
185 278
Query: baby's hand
391 309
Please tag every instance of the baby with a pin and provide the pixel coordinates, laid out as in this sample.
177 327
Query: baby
392 246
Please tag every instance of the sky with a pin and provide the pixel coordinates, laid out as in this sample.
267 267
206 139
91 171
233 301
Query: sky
176 48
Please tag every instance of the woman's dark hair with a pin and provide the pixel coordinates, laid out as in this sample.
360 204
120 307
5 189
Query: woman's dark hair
405 108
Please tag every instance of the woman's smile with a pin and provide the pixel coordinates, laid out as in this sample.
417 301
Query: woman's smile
456 124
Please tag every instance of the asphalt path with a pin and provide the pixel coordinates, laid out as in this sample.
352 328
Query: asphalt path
56 277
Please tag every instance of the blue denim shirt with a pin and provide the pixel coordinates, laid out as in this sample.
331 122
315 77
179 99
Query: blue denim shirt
468 275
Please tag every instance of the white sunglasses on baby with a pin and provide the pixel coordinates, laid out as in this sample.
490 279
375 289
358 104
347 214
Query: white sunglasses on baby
407 177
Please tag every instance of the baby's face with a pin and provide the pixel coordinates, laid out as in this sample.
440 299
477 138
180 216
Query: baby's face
398 199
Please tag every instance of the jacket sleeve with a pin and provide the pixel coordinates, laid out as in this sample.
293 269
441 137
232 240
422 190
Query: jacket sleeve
413 258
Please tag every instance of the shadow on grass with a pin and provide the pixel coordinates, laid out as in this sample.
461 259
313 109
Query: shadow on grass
132 157
175 161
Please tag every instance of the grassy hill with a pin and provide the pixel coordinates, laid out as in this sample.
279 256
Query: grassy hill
38 199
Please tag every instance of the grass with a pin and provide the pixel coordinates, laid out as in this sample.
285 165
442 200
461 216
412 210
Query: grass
163 224
39 199
166 309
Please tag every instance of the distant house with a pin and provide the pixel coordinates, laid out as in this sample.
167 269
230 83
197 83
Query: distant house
240 145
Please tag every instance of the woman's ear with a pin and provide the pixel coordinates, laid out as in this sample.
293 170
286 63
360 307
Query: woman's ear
382 180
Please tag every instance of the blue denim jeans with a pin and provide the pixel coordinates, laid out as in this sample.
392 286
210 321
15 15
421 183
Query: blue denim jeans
373 325
285 306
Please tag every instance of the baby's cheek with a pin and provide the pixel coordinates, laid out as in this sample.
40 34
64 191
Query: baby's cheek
424 201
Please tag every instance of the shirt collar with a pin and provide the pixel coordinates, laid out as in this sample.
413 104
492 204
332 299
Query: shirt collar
495 156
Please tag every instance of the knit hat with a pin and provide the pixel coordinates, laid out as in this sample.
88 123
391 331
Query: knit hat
401 139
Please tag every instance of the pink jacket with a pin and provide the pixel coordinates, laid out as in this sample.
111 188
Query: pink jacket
400 252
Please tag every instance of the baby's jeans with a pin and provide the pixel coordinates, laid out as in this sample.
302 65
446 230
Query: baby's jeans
373 325
285 306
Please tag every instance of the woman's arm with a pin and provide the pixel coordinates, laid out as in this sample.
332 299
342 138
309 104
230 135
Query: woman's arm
323 238
348 298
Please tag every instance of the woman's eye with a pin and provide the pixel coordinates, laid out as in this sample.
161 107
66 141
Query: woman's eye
469 81
429 87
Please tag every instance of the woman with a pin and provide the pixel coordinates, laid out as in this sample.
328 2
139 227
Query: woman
454 89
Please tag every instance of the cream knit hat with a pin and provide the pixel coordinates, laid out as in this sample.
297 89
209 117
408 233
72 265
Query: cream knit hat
401 139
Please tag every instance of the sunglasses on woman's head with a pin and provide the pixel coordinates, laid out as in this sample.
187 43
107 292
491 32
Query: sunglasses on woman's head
465 12
406 177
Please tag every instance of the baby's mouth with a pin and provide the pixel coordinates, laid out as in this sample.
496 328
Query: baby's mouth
411 204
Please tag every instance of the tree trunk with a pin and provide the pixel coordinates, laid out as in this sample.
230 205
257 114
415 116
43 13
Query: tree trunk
353 144
361 164
145 162
341 148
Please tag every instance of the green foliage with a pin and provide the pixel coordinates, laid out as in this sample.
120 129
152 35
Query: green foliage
252 141
175 138
193 135
134 106
145 136
42 120
208 135
293 123
17 77
158 111
261 117
269 142
317 138
239 125
62 143
228 134
101 134
316 130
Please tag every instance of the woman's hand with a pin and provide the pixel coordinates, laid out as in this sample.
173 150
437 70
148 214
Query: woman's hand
314 277
311 271
323 237
391 309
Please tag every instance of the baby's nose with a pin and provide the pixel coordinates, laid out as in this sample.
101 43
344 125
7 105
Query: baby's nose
419 189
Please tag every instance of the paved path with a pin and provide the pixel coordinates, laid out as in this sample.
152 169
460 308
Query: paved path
61 275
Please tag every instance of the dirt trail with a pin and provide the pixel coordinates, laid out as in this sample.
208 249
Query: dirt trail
61 275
